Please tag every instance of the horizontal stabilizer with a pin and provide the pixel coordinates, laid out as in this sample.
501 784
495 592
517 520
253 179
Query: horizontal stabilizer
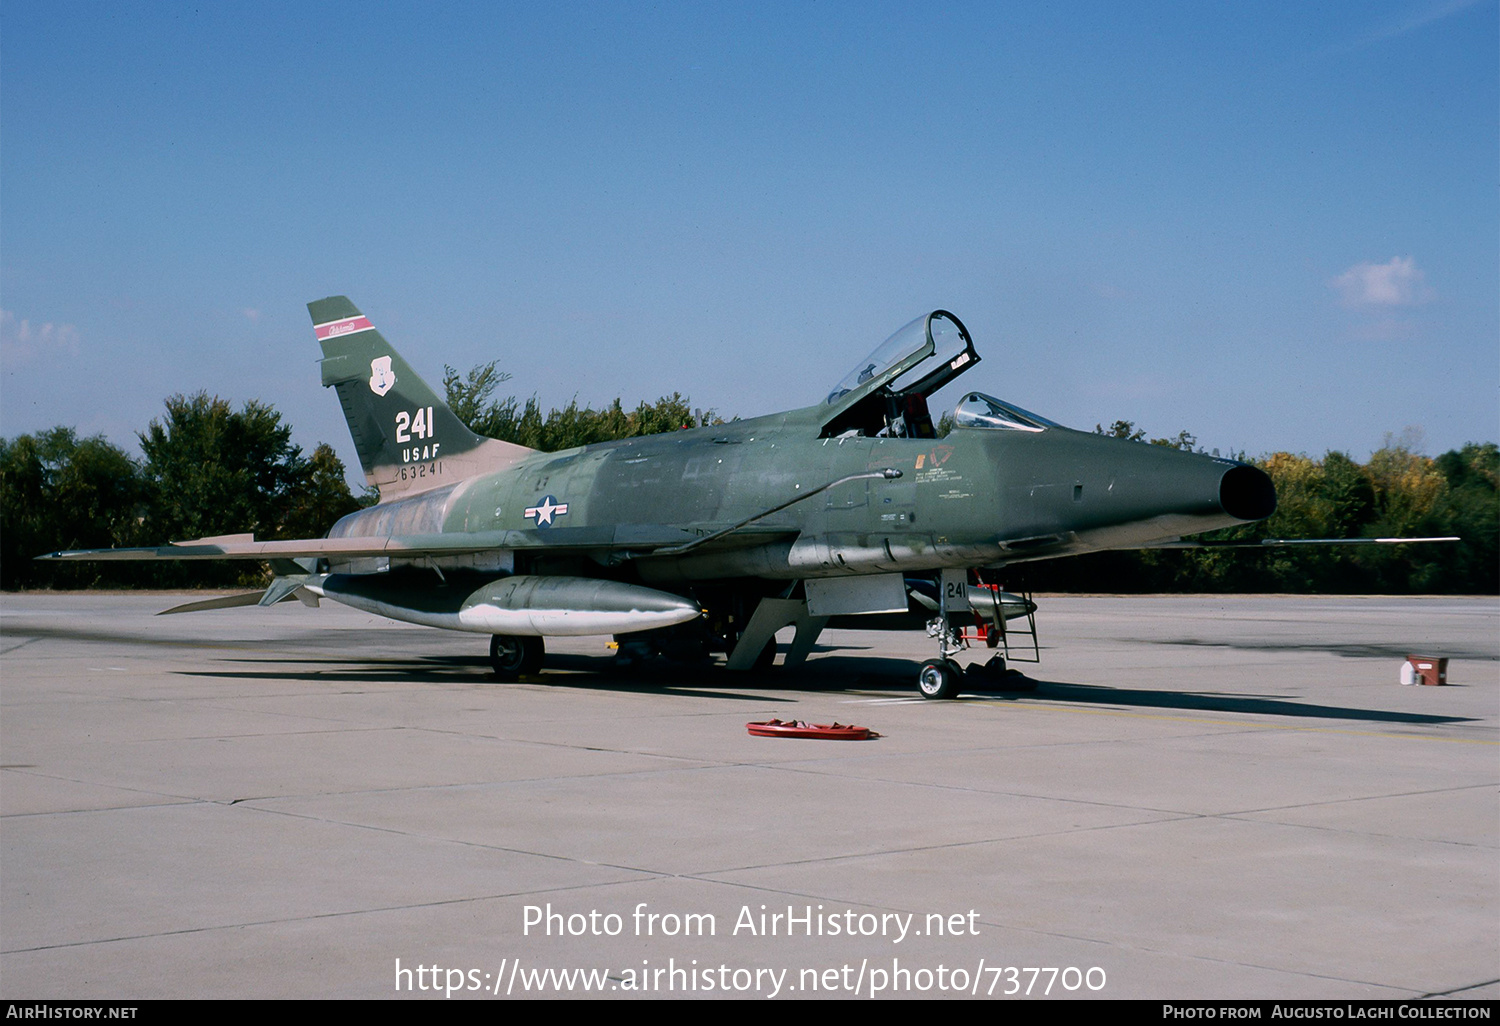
284 588
248 598
281 589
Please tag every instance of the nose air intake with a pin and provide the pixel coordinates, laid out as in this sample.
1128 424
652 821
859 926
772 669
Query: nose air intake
1247 493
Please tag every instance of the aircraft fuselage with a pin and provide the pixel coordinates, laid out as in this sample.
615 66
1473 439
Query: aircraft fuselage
976 497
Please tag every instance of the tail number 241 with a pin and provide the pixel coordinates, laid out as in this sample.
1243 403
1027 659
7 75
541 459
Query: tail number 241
415 425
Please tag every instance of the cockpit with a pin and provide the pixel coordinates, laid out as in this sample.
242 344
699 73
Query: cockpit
886 393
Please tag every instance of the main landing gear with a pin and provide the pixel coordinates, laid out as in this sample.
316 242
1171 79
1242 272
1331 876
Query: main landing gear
514 656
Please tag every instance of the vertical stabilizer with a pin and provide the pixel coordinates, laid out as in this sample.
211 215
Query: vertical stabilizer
407 438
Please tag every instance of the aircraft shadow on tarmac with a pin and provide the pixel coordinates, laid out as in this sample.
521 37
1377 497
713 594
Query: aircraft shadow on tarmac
846 668
1348 650
562 672
1225 702
834 673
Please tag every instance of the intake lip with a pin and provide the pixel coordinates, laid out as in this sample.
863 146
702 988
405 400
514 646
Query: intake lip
1246 493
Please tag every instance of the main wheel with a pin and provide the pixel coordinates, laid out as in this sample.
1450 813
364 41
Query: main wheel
939 679
513 656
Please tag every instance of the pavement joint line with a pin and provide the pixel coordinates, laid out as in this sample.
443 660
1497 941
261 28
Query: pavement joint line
358 729
1460 990
476 735
1175 813
376 910
244 737
301 795
1365 798
374 828
1165 817
952 845
182 799
1034 931
113 808
1242 818
705 762
1244 728
1170 813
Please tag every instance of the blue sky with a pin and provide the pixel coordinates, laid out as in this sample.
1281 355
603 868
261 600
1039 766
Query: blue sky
1271 224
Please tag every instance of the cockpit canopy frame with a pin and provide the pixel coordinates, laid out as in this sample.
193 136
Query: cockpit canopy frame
886 393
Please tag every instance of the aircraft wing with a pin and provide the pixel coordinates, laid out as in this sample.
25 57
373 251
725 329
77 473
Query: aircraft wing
630 539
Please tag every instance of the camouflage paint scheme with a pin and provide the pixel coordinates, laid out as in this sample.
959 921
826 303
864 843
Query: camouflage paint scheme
633 537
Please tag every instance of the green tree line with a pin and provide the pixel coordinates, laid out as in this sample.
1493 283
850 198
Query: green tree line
471 398
208 469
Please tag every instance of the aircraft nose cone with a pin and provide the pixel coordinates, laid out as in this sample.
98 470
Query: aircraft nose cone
1246 493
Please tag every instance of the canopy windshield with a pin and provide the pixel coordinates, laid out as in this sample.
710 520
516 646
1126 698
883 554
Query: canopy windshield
985 411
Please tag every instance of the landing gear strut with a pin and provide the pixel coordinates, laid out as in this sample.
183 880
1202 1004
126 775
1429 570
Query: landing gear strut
940 678
514 657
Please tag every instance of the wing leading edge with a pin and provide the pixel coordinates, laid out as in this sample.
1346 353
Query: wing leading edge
627 539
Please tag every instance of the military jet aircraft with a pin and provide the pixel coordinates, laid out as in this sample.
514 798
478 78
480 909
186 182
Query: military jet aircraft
714 539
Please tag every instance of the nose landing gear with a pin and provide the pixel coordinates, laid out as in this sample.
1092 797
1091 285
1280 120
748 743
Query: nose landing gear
943 677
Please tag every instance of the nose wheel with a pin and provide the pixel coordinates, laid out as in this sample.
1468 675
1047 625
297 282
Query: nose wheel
939 678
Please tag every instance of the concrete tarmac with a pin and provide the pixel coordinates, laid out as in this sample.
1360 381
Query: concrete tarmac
1211 797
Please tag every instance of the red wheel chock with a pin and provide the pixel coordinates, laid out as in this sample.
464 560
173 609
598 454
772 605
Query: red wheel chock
820 731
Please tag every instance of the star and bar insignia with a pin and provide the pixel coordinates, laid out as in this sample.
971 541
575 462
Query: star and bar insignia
544 511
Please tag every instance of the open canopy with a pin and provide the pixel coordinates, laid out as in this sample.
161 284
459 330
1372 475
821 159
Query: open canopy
925 355
886 392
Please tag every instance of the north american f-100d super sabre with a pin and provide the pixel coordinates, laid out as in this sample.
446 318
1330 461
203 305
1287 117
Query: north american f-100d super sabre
715 538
